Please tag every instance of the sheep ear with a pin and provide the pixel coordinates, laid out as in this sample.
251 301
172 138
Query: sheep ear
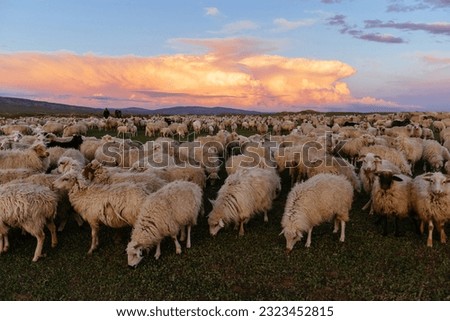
397 178
282 233
221 223
211 201
378 158
427 177
361 158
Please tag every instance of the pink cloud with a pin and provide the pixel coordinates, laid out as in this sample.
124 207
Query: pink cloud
231 73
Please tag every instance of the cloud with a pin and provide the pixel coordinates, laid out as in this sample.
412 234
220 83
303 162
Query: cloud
237 27
219 77
212 11
341 21
399 6
330 1
380 38
433 28
286 25
430 59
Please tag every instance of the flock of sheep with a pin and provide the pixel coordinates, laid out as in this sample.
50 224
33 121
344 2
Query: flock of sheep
50 170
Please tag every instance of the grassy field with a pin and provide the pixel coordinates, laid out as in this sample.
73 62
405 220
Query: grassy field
367 266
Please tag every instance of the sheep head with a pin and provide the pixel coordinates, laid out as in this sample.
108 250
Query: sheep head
40 150
386 179
215 221
292 237
134 253
437 183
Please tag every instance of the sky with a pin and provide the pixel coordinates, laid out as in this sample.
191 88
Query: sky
271 55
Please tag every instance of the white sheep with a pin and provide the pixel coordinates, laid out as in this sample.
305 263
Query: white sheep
430 200
390 197
317 200
396 157
30 207
165 213
35 158
434 155
242 196
351 148
412 148
115 205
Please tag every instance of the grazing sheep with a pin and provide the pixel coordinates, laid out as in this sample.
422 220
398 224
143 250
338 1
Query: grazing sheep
434 155
317 200
30 207
75 129
115 205
242 196
430 200
165 213
390 197
53 127
34 158
412 148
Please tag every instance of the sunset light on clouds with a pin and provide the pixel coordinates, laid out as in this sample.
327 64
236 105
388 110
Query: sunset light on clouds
321 55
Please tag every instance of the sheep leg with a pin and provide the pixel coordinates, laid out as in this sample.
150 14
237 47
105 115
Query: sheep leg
158 251
241 228
369 203
78 219
52 228
62 225
442 232
422 227
336 225
4 242
94 238
177 245
188 242
342 238
266 218
308 240
183 234
430 234
40 237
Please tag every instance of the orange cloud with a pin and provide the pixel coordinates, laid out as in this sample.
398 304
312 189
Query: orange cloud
222 76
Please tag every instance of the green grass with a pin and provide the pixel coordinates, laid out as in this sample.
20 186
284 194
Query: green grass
367 266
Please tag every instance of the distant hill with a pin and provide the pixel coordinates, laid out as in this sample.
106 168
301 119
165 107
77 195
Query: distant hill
189 110
17 106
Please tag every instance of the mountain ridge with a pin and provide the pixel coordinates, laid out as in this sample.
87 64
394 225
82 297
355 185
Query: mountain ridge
11 106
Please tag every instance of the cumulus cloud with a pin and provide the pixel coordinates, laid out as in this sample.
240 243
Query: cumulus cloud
221 76
212 11
283 24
